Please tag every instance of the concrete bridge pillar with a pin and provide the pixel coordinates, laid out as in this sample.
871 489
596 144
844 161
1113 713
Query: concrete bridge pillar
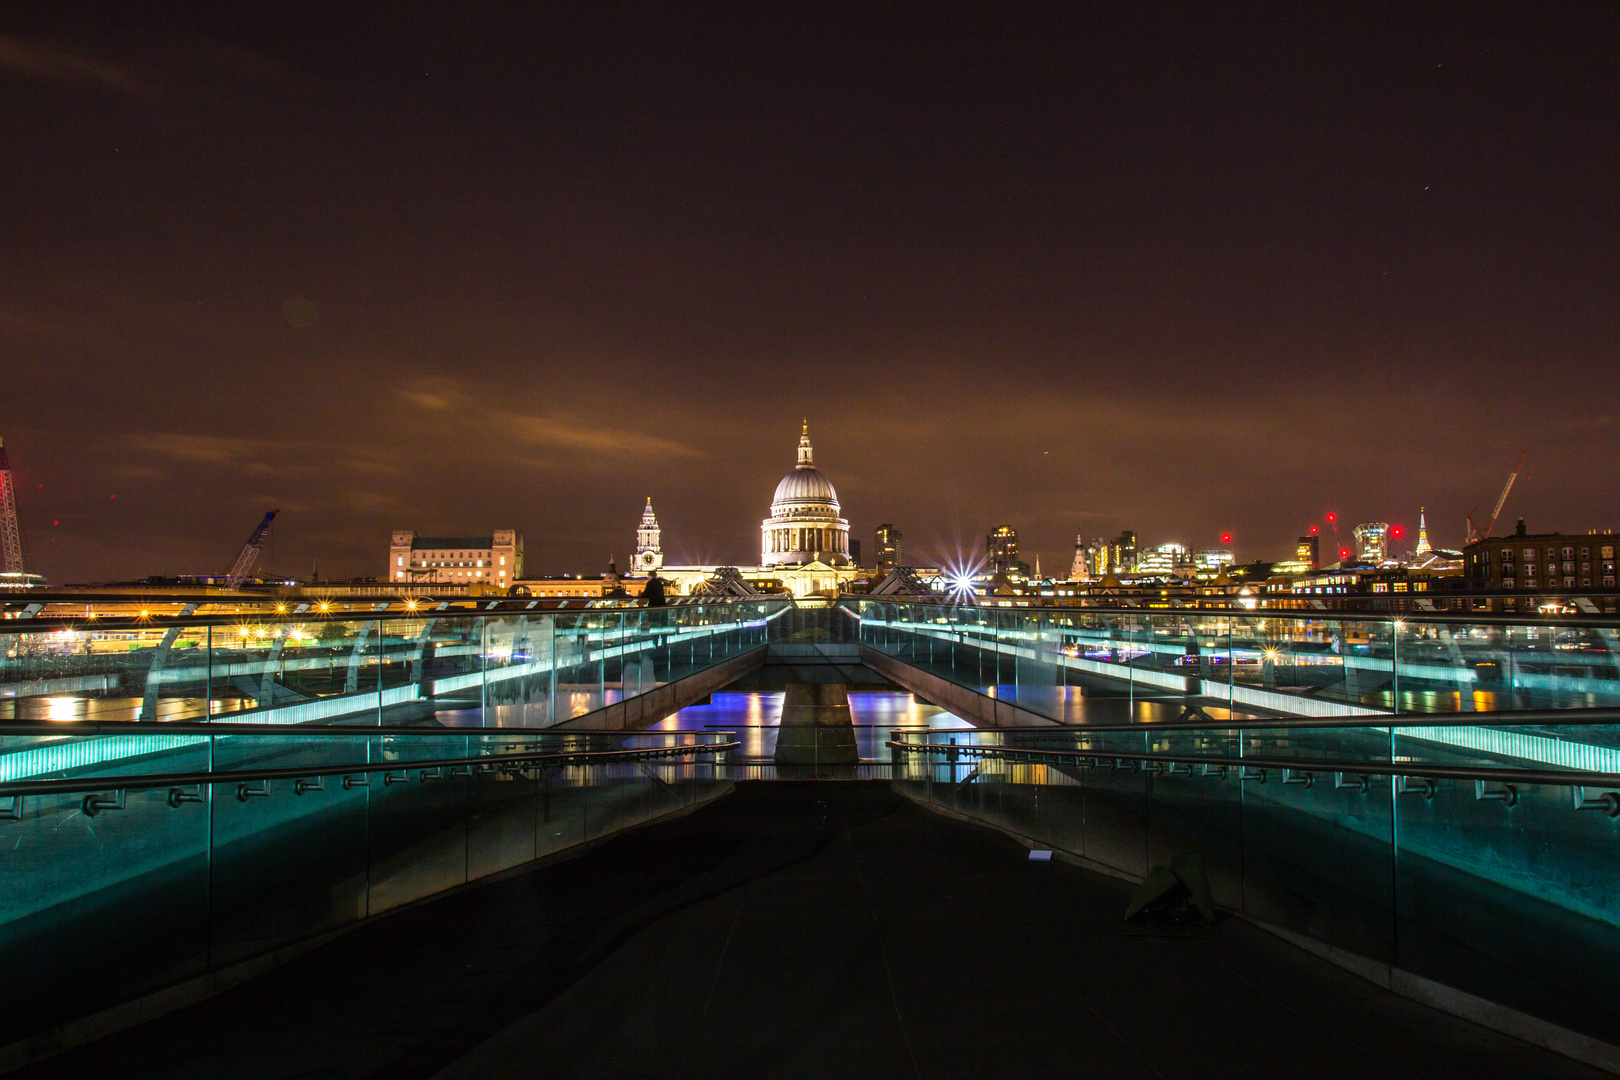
816 727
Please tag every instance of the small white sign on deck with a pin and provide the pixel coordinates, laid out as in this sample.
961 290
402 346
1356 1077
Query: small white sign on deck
1037 855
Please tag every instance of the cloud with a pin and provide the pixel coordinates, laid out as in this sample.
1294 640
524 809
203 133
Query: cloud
204 449
41 63
435 394
590 438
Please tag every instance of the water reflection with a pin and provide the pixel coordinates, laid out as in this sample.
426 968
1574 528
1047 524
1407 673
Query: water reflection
756 717
1091 705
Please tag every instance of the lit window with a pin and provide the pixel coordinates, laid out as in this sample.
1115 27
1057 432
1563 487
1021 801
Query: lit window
400 561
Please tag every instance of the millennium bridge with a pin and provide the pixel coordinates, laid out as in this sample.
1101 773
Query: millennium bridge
494 839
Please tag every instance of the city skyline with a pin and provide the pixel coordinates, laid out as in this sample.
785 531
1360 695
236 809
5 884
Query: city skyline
1109 271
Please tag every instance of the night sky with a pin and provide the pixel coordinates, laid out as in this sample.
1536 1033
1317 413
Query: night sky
1122 268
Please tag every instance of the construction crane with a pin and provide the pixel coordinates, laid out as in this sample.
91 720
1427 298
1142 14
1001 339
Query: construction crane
11 554
250 552
1474 532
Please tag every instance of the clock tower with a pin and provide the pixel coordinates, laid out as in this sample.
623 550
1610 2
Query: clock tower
649 556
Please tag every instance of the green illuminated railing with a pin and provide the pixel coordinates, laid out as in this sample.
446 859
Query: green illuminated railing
196 848
1263 663
496 668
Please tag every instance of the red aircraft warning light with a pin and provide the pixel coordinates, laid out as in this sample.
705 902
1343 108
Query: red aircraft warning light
1313 530
1332 517
1344 553
1397 532
1226 538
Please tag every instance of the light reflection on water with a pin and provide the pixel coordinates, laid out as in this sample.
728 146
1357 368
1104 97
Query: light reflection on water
756 717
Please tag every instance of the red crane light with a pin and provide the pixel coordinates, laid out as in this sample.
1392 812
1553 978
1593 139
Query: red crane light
1344 553
1332 517
1226 538
1313 530
1397 532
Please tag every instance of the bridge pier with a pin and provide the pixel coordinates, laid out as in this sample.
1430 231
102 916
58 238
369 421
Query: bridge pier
817 729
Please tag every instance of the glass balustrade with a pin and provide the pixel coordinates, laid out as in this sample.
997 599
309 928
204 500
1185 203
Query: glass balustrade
497 669
1155 663
182 849
1374 839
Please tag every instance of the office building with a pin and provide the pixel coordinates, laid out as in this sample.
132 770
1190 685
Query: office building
496 559
1372 542
1122 556
1307 552
1171 558
1001 552
886 548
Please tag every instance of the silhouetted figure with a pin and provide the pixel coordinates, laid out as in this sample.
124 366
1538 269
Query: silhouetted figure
654 592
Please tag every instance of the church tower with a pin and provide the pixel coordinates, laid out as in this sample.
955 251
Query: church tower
649 556
1080 570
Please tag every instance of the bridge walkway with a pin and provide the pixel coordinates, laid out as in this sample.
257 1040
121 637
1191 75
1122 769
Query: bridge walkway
802 930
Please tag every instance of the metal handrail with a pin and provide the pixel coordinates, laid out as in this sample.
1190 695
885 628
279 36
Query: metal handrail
1425 617
205 727
39 623
1506 718
144 781
1564 778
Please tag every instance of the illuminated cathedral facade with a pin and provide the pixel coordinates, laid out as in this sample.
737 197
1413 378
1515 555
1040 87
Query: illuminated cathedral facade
804 543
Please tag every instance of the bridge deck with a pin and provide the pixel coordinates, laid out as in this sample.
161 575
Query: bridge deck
803 930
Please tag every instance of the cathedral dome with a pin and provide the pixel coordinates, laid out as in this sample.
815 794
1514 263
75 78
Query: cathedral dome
805 485
804 526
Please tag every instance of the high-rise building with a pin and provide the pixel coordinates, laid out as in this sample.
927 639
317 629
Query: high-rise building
1001 550
886 548
496 559
1307 551
1372 541
1122 553
1165 559
854 552
649 555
